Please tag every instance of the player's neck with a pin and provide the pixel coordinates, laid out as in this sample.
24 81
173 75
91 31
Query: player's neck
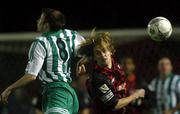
109 65
164 76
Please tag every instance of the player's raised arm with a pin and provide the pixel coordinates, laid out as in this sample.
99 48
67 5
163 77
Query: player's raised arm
27 78
36 59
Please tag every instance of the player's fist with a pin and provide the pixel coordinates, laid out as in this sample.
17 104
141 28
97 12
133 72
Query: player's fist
80 66
4 96
81 70
140 93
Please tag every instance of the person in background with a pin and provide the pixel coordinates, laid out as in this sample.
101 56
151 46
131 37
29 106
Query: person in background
167 88
84 100
129 67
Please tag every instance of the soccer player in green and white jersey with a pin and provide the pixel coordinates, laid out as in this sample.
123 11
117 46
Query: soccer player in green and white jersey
167 88
50 59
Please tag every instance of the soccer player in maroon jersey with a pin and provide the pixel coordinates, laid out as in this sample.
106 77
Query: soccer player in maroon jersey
107 84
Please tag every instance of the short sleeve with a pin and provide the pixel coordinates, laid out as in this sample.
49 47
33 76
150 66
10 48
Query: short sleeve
105 94
36 57
151 86
78 40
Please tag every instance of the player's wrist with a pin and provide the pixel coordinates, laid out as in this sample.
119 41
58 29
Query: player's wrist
134 96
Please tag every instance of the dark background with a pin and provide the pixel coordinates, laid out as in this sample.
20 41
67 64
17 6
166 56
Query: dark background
21 16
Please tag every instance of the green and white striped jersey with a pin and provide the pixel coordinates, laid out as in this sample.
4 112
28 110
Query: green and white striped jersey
167 92
51 53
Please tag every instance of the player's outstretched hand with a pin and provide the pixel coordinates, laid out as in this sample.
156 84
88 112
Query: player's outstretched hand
4 96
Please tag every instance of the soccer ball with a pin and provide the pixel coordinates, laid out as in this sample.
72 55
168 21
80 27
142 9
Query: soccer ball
159 29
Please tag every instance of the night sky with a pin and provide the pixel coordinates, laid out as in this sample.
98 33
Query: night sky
87 14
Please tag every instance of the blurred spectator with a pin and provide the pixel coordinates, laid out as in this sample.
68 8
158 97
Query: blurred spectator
83 96
20 103
36 101
129 68
167 88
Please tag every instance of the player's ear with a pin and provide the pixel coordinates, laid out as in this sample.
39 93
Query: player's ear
46 26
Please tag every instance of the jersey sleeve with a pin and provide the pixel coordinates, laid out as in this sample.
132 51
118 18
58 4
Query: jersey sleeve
151 86
36 57
78 40
105 94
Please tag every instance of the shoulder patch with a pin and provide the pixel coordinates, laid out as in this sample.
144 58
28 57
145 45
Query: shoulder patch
104 88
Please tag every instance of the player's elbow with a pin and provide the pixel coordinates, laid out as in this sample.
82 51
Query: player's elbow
112 105
31 77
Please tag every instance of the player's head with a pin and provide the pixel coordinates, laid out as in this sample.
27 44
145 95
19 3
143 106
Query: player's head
128 65
50 20
99 47
165 66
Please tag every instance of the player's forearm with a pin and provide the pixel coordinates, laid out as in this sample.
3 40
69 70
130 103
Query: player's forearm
27 78
124 102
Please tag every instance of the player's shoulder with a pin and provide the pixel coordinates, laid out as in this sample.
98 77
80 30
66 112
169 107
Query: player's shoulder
154 80
99 79
73 32
177 76
70 32
40 40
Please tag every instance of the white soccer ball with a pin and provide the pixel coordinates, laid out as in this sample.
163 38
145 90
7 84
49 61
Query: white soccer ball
159 29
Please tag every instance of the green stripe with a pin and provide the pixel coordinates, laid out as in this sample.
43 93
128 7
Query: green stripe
55 55
32 50
177 82
55 58
73 41
44 67
156 84
177 92
42 44
57 36
69 49
169 89
63 65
